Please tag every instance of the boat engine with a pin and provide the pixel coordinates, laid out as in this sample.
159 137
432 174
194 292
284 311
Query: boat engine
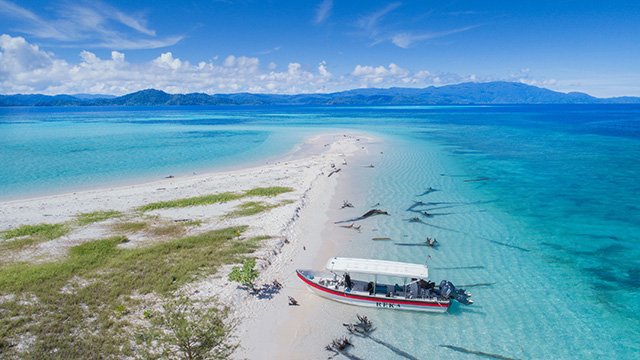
449 291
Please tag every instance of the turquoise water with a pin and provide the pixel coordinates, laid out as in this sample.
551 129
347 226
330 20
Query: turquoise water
551 239
46 151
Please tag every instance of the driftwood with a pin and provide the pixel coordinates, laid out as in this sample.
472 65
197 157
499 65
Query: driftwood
351 227
340 346
432 242
428 191
374 212
333 172
381 238
366 215
364 327
346 204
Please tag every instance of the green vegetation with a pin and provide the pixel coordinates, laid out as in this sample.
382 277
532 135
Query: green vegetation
191 223
27 235
187 332
214 198
130 227
245 275
43 231
97 216
254 207
250 208
170 230
194 201
57 302
268 191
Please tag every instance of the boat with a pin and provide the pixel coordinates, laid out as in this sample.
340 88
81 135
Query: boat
416 293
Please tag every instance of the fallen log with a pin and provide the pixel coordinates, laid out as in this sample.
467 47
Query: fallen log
351 227
374 212
366 215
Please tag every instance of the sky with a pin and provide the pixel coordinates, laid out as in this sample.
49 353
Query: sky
290 47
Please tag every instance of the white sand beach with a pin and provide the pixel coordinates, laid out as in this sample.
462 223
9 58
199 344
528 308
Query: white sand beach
302 234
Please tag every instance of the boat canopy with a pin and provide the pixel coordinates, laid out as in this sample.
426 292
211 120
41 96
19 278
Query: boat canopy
377 267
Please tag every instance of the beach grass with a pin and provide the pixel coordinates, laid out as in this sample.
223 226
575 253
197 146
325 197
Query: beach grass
97 216
214 198
254 207
27 235
250 208
44 231
267 191
168 230
78 307
128 227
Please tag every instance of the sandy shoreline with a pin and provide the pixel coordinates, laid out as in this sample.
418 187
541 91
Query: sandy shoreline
303 234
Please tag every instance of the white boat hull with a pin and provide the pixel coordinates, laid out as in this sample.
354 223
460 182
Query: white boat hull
375 301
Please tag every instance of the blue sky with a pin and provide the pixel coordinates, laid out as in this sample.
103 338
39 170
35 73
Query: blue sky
116 47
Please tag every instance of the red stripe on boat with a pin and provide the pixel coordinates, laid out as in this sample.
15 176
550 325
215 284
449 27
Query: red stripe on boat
375 299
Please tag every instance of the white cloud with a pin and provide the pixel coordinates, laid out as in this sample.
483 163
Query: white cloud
117 56
229 61
167 61
93 24
25 68
374 76
323 11
370 22
322 69
373 27
19 56
406 39
28 69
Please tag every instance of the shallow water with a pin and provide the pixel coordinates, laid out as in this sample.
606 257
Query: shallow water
551 236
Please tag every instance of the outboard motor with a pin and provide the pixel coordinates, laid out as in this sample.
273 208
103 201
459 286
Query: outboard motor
449 291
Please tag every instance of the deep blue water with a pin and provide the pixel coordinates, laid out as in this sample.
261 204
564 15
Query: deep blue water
554 231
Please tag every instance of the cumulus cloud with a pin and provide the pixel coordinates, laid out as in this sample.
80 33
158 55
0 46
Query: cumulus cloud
322 69
525 77
25 68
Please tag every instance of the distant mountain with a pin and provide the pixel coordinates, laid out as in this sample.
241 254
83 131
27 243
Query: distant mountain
152 97
465 93
34 99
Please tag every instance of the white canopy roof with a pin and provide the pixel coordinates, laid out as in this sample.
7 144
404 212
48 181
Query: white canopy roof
378 267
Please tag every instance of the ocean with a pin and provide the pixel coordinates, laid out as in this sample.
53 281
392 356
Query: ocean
535 207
